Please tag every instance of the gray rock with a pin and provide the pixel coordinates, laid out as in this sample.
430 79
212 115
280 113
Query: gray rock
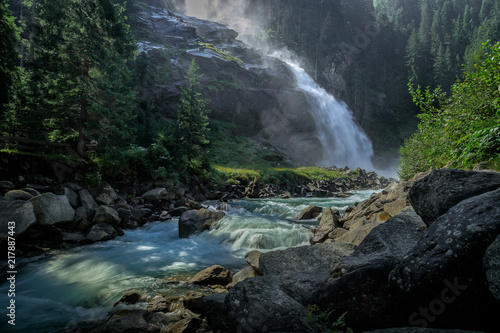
492 268
321 257
52 209
308 213
213 275
264 304
358 284
73 198
129 298
80 215
154 195
108 190
104 199
107 215
450 257
18 195
20 212
142 212
6 185
252 258
194 221
102 232
87 201
73 237
329 220
124 215
245 273
433 195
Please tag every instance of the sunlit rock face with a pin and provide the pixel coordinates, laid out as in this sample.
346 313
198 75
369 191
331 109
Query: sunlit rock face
257 93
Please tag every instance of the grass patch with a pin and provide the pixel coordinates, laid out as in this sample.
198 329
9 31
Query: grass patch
274 176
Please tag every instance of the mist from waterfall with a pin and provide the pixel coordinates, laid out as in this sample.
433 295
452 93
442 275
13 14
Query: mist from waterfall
344 143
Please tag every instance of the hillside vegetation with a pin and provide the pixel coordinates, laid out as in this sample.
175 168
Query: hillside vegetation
463 129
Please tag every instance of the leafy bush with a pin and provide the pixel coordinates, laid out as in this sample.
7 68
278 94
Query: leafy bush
462 130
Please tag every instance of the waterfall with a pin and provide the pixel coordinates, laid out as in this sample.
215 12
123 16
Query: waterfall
343 141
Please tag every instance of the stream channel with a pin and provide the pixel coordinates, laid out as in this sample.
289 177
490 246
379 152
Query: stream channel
63 288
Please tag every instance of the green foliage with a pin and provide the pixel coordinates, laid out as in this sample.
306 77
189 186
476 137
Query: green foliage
462 130
322 320
192 116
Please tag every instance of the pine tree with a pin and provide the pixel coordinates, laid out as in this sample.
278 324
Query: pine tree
84 46
192 116
9 36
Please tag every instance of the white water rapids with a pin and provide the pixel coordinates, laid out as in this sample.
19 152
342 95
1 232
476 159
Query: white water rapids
63 289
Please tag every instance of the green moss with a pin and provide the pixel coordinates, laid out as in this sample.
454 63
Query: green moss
225 55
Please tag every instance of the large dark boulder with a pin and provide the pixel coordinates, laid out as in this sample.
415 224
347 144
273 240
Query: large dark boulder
273 303
52 209
194 221
20 212
433 195
358 285
321 257
492 268
443 274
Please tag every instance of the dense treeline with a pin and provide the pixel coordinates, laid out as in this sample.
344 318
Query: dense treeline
70 73
366 51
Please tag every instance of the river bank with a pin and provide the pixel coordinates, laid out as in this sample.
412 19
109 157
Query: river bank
53 216
433 265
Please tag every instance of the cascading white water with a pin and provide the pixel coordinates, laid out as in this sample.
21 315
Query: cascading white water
344 142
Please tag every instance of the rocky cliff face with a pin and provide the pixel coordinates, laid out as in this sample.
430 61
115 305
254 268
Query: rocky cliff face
255 92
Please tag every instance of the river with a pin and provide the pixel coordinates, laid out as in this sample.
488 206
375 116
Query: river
62 288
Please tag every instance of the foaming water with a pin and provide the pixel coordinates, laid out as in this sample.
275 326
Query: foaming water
64 288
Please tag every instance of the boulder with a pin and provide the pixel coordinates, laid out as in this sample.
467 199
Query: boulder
108 190
272 303
433 195
129 298
194 221
252 258
193 301
6 185
164 304
73 198
87 201
358 284
104 199
450 258
142 212
72 237
102 232
212 275
52 209
127 321
154 195
245 273
357 234
20 212
308 213
18 195
321 257
105 214
491 265
329 220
